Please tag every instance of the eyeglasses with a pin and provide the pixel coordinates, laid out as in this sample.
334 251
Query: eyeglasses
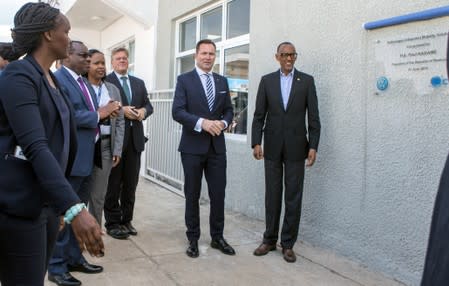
286 55
83 55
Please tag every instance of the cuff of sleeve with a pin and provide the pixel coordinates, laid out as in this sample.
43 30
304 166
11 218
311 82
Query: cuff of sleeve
225 124
198 125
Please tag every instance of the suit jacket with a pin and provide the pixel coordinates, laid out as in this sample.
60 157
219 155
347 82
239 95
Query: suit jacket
140 99
86 122
437 257
284 130
117 123
190 104
31 119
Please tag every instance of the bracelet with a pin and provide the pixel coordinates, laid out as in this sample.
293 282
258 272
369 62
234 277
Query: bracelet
72 212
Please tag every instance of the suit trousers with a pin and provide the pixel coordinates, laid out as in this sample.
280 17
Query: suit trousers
25 247
214 167
121 193
294 179
66 250
98 181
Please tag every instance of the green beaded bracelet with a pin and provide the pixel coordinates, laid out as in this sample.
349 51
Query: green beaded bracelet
72 212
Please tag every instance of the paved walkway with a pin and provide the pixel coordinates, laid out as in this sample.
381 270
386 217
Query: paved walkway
156 256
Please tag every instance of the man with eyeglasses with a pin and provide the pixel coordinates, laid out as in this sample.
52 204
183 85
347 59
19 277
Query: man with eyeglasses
284 98
67 256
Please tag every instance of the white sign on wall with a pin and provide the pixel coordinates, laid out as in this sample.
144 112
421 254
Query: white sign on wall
413 58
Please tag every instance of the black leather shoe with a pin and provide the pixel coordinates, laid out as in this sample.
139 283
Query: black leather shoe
192 250
64 279
129 228
223 246
85 267
117 233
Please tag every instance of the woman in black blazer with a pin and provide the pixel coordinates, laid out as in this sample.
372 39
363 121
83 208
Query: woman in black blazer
37 144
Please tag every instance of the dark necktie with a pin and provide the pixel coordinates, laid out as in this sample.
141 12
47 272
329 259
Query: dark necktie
209 92
126 88
86 94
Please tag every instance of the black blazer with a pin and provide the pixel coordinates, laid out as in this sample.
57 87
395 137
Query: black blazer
30 118
190 104
286 128
139 100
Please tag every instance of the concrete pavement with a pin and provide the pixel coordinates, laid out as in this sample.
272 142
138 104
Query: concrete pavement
156 256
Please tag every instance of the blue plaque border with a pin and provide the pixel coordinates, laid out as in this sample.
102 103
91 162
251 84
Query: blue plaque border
412 17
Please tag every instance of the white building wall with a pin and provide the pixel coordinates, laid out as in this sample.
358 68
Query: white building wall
370 195
125 29
90 38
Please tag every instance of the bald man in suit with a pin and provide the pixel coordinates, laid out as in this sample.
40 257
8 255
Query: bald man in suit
285 99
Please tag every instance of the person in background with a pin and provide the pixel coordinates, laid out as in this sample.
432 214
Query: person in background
436 267
67 256
37 150
112 130
6 55
202 105
284 100
121 193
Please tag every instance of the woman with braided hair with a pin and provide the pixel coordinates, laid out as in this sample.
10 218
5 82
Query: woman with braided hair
37 145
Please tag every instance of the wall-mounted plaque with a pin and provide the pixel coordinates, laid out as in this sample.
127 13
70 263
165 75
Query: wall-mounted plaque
414 58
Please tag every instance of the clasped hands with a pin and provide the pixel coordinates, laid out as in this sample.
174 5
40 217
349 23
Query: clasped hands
132 113
213 127
111 109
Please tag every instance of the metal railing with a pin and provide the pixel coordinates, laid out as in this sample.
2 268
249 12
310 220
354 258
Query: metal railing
162 159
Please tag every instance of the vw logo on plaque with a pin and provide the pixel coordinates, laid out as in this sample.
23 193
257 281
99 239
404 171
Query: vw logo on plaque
382 83
436 81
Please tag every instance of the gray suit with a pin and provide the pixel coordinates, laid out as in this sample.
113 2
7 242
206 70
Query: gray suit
110 146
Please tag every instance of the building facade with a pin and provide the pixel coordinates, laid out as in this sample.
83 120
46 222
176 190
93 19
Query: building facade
370 194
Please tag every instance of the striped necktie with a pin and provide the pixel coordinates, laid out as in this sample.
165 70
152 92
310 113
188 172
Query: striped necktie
209 92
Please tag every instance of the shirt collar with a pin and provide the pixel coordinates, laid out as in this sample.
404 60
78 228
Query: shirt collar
72 73
119 76
289 75
201 72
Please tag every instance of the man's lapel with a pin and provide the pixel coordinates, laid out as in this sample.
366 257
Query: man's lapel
277 83
75 86
112 78
198 85
133 89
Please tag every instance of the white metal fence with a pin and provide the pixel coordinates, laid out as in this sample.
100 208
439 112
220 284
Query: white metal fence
163 161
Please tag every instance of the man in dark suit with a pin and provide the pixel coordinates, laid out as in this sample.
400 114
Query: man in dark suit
67 255
121 193
437 259
283 100
202 105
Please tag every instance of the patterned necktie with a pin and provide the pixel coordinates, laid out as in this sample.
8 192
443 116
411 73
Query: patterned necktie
126 88
86 94
89 101
209 92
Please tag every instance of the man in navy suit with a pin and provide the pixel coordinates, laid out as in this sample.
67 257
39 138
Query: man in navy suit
285 99
202 105
121 193
67 255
